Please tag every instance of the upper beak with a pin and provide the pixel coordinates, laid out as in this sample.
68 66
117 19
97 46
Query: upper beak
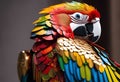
95 20
96 31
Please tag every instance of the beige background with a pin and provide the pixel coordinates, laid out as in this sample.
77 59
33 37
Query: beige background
16 17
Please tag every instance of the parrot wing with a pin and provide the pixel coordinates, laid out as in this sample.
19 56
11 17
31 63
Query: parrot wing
45 66
82 62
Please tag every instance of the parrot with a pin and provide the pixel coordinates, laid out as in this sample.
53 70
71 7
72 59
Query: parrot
65 48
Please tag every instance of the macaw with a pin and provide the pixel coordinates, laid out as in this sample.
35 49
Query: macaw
65 48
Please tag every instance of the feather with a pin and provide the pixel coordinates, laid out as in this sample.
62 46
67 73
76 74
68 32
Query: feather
101 68
112 74
72 56
66 53
61 63
47 69
49 37
90 63
100 76
88 73
108 74
71 66
117 74
48 23
45 77
82 71
94 75
43 32
41 19
51 73
74 70
83 58
65 58
67 72
104 59
78 74
79 60
38 28
40 24
105 77
47 50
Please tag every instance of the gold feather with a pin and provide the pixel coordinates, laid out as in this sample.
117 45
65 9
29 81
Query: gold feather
79 60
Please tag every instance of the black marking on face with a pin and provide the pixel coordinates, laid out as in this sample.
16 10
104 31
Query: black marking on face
80 31
93 38
89 28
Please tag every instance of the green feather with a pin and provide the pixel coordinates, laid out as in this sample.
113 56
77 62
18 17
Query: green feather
65 58
41 23
52 73
45 77
41 19
88 73
82 71
60 60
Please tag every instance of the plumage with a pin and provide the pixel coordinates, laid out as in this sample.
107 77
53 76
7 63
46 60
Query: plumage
63 50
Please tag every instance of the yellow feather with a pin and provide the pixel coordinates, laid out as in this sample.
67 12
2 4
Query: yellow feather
41 32
48 23
97 66
47 17
101 68
69 6
79 60
112 74
75 54
66 53
83 58
108 74
90 62
72 56
51 8
117 74
37 28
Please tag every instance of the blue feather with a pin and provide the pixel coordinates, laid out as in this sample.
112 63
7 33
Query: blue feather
100 77
104 54
105 60
105 77
84 80
94 75
78 73
67 72
74 70
66 79
70 66
33 35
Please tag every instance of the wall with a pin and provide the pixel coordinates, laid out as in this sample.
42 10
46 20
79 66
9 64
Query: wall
115 29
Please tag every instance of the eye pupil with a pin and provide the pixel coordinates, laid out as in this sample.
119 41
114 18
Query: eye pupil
77 16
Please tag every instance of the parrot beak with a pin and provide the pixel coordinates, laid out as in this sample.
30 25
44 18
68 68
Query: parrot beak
90 31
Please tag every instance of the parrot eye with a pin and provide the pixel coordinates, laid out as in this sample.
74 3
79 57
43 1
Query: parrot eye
79 18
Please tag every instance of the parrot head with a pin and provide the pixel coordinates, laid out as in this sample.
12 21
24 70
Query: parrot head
75 19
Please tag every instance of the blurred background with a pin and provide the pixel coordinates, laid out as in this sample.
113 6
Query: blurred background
16 17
